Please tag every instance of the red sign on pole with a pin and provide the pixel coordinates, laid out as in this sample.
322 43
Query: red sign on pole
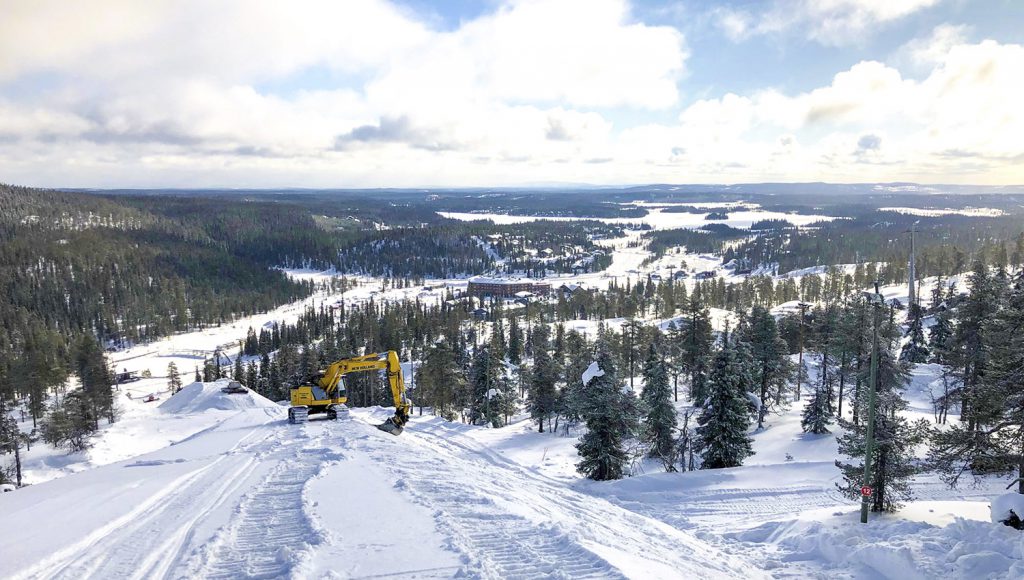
866 491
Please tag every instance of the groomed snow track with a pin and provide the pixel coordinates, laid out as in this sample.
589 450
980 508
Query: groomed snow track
149 541
270 531
508 521
249 499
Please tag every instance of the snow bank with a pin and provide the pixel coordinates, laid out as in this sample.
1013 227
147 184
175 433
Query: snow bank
199 397
895 548
593 371
1002 505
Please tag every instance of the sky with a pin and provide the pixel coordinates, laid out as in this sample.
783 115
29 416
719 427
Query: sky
413 93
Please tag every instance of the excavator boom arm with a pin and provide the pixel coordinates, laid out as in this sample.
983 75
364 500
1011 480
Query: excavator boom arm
386 361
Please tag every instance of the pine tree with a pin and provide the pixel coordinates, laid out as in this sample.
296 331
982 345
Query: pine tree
610 414
173 378
95 376
995 443
893 460
725 418
659 423
72 423
631 331
915 351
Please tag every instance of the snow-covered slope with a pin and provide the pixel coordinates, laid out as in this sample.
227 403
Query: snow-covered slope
254 496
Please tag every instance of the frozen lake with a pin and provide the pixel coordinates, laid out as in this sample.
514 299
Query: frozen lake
657 218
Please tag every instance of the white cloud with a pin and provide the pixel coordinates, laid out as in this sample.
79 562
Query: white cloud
933 49
961 122
829 22
736 24
160 94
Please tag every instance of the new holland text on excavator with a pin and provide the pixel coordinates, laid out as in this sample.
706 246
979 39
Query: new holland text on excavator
327 394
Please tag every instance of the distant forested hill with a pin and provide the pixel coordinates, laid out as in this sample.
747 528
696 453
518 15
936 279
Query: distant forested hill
132 268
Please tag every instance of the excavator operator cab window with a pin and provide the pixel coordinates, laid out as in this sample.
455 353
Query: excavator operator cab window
319 394
342 391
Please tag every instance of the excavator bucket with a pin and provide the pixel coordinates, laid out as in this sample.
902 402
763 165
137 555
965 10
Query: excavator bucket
391 426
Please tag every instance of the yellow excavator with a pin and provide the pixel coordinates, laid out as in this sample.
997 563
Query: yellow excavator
327 393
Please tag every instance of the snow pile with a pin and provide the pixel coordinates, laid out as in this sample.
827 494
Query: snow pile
199 397
593 371
896 548
1002 505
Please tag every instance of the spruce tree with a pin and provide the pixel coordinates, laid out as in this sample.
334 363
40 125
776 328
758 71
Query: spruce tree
578 355
238 372
515 341
915 351
490 387
939 336
173 378
543 376
610 413
441 380
771 370
696 345
725 418
659 422
816 414
971 342
251 376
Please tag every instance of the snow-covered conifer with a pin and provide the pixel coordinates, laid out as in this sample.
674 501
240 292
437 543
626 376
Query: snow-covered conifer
610 413
659 422
915 350
725 418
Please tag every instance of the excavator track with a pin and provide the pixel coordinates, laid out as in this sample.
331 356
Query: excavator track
298 414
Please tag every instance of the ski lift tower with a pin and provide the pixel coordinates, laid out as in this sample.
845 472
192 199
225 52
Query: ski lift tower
912 269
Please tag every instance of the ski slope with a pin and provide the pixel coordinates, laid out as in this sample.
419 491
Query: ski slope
255 497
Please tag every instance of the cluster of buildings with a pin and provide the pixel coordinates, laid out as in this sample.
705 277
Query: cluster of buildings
483 286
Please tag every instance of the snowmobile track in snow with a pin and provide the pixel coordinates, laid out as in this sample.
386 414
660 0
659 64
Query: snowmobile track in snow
148 541
494 542
270 527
